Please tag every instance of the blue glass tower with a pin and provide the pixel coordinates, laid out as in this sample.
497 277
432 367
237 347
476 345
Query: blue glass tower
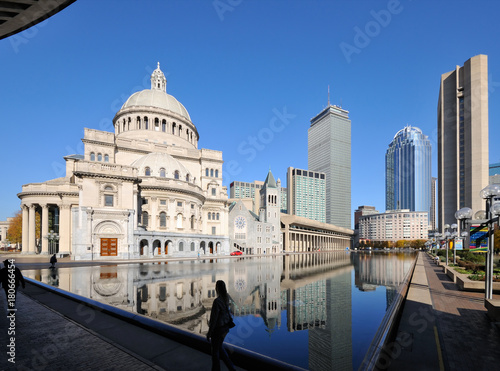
408 171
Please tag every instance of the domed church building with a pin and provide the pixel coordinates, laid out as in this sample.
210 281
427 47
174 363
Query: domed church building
144 191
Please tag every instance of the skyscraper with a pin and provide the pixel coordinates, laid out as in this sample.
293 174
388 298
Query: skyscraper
306 194
329 152
408 171
462 138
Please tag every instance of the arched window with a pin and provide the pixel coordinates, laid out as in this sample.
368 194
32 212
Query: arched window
192 221
216 173
180 130
176 174
128 124
212 172
145 218
179 221
147 171
217 216
187 134
164 126
163 219
173 128
162 172
146 123
192 246
187 177
181 247
209 216
123 124
157 124
106 158
138 122
99 157
213 216
92 156
206 171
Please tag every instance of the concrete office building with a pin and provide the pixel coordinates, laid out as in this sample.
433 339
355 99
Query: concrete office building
249 193
462 138
394 225
408 171
306 194
329 152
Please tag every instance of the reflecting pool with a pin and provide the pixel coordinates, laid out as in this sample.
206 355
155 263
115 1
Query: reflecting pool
318 311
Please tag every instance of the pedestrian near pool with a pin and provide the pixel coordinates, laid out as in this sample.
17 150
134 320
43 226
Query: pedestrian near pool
220 323
6 279
53 261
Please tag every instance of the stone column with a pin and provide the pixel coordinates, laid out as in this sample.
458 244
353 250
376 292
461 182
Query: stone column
65 229
45 229
153 220
136 207
32 230
26 230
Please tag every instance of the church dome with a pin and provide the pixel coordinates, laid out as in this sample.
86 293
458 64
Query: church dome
157 99
157 96
161 165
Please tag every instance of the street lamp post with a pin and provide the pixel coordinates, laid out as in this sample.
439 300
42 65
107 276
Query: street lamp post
52 237
488 193
462 215
446 236
454 236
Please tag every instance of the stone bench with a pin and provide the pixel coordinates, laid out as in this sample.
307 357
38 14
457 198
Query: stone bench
493 307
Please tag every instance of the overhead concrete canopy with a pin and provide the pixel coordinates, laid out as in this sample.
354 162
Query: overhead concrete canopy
19 15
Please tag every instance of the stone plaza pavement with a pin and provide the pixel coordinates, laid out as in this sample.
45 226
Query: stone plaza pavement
441 327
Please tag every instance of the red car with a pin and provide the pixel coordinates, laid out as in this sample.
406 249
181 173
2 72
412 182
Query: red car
237 252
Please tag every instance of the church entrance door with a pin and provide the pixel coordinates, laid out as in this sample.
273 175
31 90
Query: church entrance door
109 246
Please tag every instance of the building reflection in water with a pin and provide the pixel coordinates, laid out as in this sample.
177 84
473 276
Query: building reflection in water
313 289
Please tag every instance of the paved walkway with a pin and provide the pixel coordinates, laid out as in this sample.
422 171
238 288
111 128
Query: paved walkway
443 328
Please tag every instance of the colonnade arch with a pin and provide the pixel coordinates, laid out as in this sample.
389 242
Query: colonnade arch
153 247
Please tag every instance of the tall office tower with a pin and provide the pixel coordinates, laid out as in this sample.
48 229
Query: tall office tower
462 138
408 171
433 213
306 194
329 152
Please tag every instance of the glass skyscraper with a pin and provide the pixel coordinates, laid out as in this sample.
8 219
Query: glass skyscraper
408 171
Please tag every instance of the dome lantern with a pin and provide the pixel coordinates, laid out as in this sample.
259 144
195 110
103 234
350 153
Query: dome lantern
158 80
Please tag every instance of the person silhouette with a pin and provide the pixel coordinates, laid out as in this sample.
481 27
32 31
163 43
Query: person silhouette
53 261
8 281
220 323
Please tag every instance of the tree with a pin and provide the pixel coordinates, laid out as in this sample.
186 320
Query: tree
15 231
400 244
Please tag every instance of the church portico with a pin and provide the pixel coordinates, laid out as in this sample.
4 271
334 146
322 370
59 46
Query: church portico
43 211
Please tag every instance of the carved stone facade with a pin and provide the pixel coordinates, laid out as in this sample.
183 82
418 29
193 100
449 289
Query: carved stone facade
144 191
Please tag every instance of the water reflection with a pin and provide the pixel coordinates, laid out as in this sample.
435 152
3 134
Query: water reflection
298 308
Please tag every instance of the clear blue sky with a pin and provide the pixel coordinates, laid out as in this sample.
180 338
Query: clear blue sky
236 65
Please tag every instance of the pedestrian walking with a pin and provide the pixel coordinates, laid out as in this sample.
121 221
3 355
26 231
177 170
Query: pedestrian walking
8 281
53 261
220 323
